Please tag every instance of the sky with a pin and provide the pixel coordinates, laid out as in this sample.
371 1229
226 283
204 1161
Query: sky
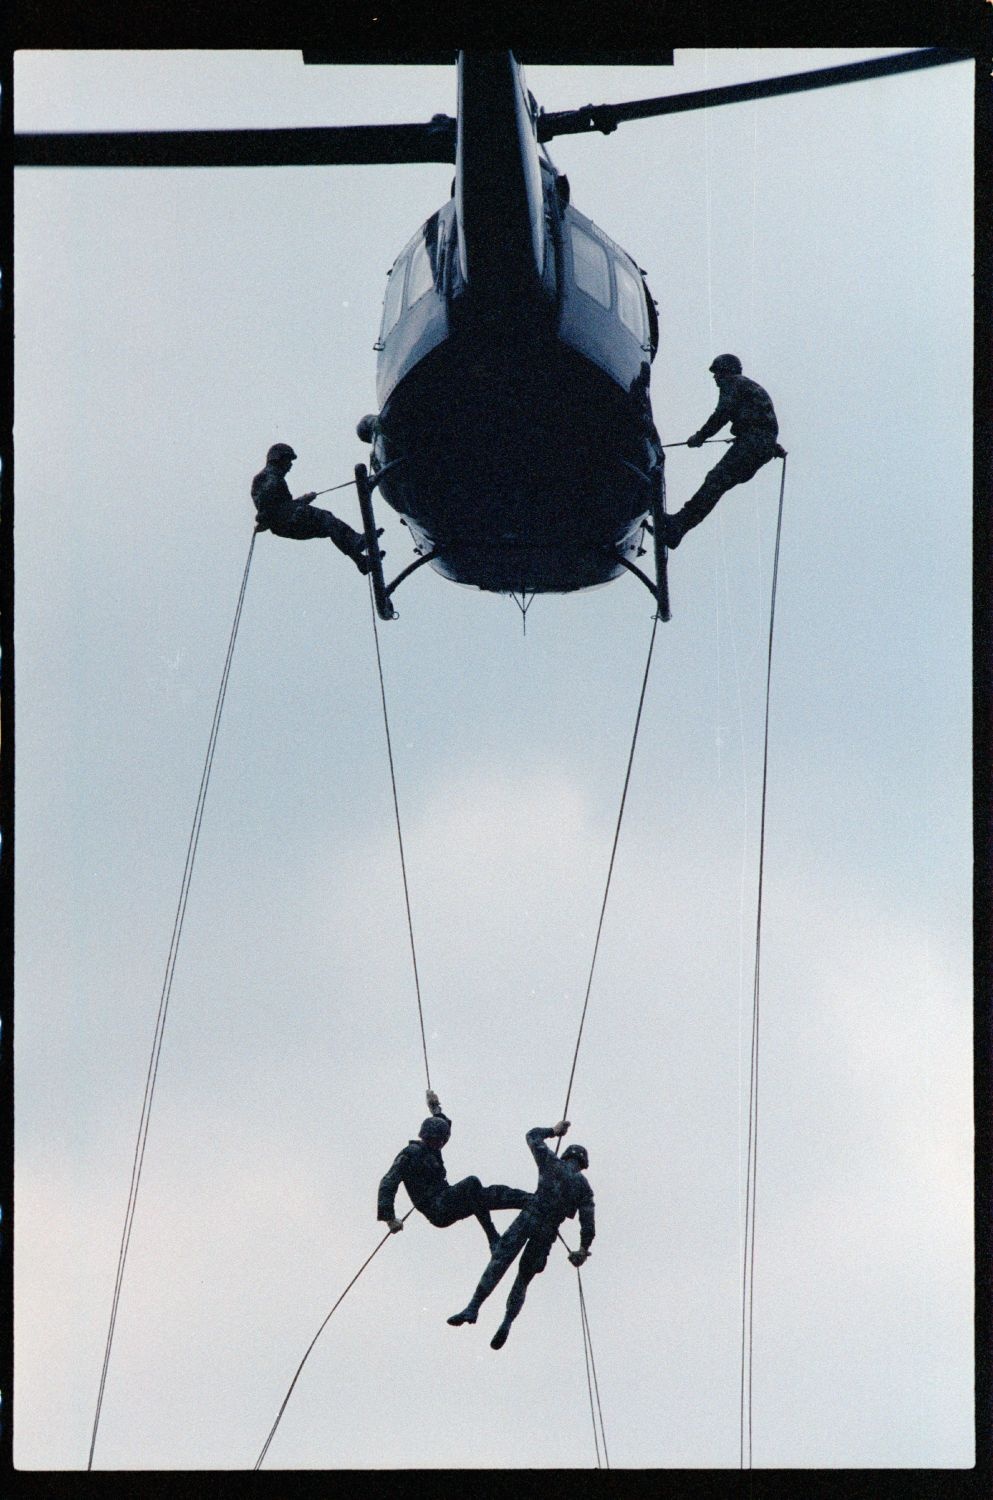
170 325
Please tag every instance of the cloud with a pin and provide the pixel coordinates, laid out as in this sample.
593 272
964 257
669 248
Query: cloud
258 1198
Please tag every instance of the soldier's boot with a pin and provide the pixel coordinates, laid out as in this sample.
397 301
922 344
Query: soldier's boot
487 1282
675 527
494 1271
352 543
673 530
514 1304
468 1314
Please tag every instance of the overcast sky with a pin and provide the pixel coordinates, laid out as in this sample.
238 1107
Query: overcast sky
170 325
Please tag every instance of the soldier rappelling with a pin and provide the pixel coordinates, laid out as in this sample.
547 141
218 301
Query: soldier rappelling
748 408
419 1166
277 510
561 1190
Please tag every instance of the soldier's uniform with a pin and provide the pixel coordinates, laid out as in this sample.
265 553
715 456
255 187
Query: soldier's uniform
748 407
421 1169
278 512
562 1191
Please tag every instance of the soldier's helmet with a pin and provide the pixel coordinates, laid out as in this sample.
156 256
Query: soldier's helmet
726 364
435 1130
577 1153
279 450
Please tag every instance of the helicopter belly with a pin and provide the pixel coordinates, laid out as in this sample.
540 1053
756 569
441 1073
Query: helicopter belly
511 567
519 472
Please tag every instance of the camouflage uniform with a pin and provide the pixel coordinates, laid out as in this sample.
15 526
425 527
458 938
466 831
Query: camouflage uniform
278 512
421 1169
748 408
561 1191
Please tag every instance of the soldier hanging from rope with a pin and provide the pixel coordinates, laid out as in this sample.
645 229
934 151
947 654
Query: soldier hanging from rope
747 407
419 1166
561 1190
277 511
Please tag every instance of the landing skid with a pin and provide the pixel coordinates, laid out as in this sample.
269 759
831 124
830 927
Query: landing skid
660 588
380 590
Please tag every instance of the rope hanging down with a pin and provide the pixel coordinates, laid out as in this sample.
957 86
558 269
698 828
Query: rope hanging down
610 868
587 1339
289 1393
596 1411
153 1065
396 811
420 1015
748 1259
593 1386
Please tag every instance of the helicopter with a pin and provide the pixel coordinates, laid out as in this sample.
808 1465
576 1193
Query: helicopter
431 684
515 437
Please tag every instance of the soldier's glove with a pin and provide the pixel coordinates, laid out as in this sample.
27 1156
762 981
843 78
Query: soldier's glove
560 1128
306 499
578 1257
696 441
434 1103
394 1225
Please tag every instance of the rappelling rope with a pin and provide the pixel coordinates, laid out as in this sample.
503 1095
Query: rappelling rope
347 485
594 1387
272 1431
596 1411
610 868
587 1342
748 1257
589 1381
396 810
153 1065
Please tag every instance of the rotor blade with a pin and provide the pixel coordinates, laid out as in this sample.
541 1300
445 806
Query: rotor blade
337 145
607 117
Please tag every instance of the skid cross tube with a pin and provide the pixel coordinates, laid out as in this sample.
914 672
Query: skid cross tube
633 568
411 568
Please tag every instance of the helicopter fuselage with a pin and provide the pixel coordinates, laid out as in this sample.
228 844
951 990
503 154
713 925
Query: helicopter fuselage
514 356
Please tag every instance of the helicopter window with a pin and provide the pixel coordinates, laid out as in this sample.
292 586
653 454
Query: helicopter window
394 297
420 278
591 268
630 301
